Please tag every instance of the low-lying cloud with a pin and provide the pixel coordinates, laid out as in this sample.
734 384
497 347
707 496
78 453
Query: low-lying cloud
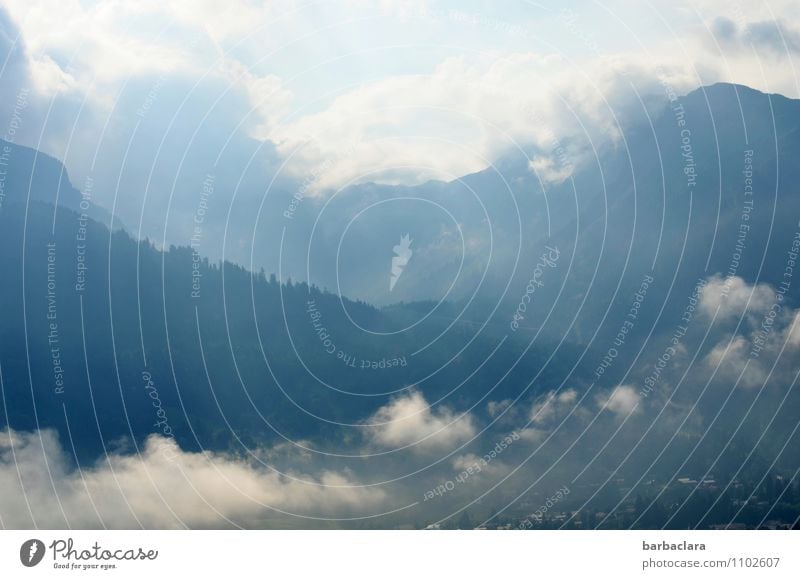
729 298
163 487
768 332
410 421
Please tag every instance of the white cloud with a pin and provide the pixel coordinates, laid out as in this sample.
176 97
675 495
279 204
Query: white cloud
733 363
464 114
409 421
102 42
400 8
622 401
770 330
546 412
553 406
478 465
792 332
731 297
267 95
495 408
549 170
460 111
163 487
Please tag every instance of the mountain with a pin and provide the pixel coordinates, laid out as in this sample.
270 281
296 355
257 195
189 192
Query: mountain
106 338
498 296
665 196
32 176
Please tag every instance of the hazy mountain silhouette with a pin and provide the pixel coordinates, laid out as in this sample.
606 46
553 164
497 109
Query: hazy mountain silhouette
106 338
145 338
647 202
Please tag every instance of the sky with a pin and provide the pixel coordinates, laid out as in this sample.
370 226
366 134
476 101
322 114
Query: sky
343 91
148 98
